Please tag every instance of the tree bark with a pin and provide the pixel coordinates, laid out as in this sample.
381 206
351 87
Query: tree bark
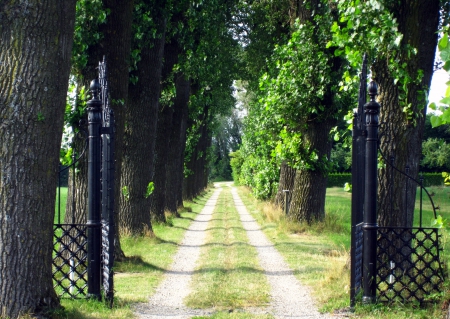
402 137
140 136
287 177
177 139
164 128
36 41
308 199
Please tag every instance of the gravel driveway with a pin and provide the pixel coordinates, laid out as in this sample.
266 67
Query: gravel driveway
288 298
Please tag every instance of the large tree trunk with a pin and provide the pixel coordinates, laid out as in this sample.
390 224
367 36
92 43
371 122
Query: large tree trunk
402 137
140 136
286 183
116 48
36 40
308 199
158 203
177 139
164 128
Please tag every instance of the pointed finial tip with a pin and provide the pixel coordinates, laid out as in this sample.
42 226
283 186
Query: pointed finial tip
373 88
95 85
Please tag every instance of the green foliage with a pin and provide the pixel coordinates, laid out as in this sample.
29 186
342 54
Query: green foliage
444 50
40 117
236 162
150 189
90 14
304 89
348 187
339 179
126 193
446 177
341 157
439 222
370 27
436 154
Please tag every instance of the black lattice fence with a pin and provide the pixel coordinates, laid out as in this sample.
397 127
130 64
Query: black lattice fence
70 260
408 264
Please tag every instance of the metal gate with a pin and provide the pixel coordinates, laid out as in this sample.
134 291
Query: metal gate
387 263
84 253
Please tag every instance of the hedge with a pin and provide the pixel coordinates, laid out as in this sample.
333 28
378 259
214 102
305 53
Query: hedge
339 179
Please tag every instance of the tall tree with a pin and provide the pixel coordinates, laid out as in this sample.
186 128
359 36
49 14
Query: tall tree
36 42
300 103
141 116
175 165
404 104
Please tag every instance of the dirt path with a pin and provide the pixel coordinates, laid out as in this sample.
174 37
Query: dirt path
289 299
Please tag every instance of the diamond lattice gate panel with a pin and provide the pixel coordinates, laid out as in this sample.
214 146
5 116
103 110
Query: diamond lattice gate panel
70 260
408 264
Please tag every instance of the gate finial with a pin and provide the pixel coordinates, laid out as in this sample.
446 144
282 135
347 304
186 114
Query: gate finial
373 90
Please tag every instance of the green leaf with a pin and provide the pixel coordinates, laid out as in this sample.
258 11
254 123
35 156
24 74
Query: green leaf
435 121
445 53
338 52
446 66
443 42
446 116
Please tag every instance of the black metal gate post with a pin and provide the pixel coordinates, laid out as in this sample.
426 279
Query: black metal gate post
358 157
94 190
108 176
370 225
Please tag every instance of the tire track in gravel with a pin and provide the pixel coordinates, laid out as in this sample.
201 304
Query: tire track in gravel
167 301
288 298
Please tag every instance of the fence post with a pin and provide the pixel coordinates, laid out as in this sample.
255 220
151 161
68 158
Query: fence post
286 201
94 109
370 225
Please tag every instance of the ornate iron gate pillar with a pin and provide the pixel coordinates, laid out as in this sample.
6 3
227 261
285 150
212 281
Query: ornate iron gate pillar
94 190
358 166
370 225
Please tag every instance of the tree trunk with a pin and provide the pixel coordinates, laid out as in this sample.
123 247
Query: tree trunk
116 48
310 186
402 138
164 128
177 139
180 169
287 177
140 137
158 203
36 40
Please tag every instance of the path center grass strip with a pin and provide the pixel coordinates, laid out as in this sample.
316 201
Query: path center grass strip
228 275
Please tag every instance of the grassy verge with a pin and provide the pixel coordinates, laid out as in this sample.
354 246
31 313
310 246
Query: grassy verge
228 276
319 255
